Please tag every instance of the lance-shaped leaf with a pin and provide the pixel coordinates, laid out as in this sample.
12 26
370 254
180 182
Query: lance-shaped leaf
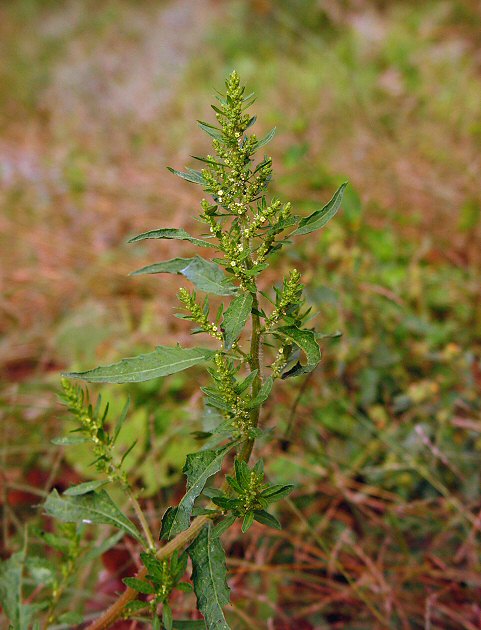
235 318
319 218
266 139
174 265
306 341
94 507
171 233
163 361
209 575
198 468
205 274
190 175
209 277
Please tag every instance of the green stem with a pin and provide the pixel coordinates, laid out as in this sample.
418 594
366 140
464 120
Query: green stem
254 364
141 517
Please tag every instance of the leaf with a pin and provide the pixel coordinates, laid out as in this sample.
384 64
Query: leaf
167 619
276 492
188 624
121 420
247 522
210 130
191 175
209 575
164 360
171 233
84 488
11 578
198 468
175 265
209 277
139 585
71 618
263 394
306 341
267 519
319 218
223 525
94 507
235 318
266 139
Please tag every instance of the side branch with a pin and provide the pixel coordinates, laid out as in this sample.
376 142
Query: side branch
112 613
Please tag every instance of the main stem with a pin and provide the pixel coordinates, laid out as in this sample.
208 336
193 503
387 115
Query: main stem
254 364
186 537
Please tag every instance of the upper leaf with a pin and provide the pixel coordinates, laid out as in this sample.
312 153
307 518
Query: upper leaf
164 360
306 341
235 318
171 233
209 277
93 507
190 176
209 574
319 218
266 139
174 265
198 468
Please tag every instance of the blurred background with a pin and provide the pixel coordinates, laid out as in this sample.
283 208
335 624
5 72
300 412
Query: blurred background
96 99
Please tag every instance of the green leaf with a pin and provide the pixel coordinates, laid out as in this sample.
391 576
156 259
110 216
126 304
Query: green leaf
210 130
306 341
163 361
11 578
209 277
247 522
242 473
198 468
267 519
235 318
69 440
190 175
153 566
276 492
185 587
172 233
167 619
224 525
139 585
83 488
209 575
263 394
175 265
205 274
121 420
188 624
319 218
94 507
266 139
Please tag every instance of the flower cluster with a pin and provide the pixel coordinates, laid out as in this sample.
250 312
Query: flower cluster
227 395
288 297
198 314
253 496
92 425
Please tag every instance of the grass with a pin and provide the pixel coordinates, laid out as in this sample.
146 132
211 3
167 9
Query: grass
384 440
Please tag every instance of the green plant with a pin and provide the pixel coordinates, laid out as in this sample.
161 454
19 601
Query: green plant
261 336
